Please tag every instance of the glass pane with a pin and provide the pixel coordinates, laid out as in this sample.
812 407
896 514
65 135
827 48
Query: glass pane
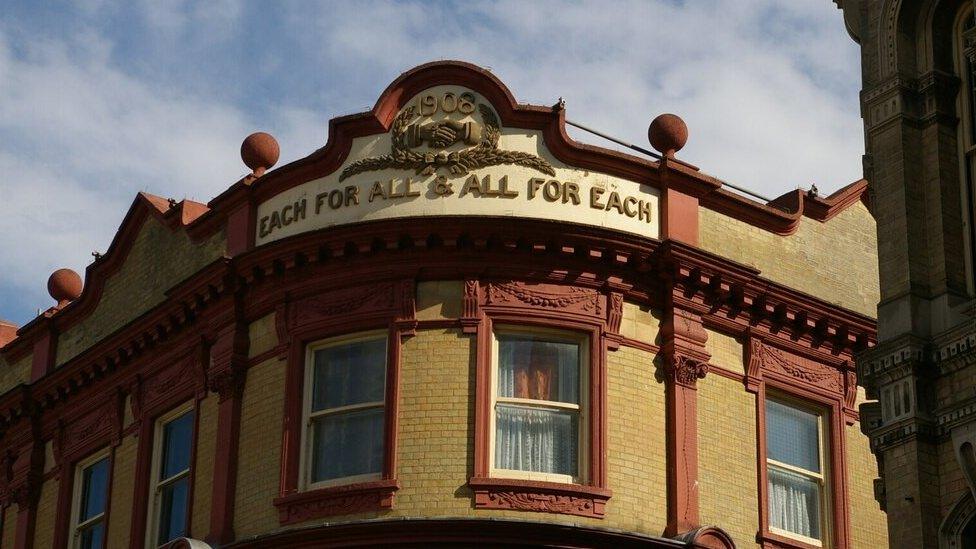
792 436
794 503
93 536
530 439
177 436
172 510
347 444
352 373
94 484
531 367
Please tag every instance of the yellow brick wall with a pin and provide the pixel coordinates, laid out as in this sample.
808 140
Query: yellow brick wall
13 374
869 524
123 481
203 468
262 335
727 352
636 461
258 466
641 323
159 259
836 261
46 511
9 526
439 299
727 458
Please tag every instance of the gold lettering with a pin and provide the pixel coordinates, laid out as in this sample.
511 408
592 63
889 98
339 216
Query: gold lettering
264 227
614 202
319 201
629 202
505 191
595 193
391 193
377 190
644 211
335 199
275 222
428 106
534 185
486 185
300 209
471 186
286 218
409 190
352 195
552 191
571 192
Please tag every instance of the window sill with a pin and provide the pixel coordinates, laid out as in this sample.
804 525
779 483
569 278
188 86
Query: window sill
336 500
540 496
772 540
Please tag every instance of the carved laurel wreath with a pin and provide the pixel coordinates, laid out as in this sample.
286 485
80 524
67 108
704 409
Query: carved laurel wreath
485 153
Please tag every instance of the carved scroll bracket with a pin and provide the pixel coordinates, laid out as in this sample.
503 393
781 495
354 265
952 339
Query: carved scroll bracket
228 361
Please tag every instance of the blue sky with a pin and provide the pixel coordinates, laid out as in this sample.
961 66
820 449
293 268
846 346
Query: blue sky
100 100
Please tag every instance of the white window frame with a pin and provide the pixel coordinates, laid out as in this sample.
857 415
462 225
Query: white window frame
156 485
308 417
79 480
564 336
821 477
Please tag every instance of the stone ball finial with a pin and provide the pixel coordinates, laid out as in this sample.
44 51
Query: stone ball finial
64 285
259 151
668 133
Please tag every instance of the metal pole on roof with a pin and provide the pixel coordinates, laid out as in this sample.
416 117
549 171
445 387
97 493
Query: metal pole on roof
657 156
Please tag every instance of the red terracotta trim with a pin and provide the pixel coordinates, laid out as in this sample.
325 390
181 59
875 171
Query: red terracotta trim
62 510
455 533
641 345
339 500
224 486
546 497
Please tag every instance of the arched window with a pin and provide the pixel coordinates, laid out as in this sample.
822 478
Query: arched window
965 61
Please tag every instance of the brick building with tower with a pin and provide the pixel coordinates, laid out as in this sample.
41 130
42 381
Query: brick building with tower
453 324
917 102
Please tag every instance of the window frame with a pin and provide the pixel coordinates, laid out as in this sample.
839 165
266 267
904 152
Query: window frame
152 504
582 409
76 492
824 477
304 468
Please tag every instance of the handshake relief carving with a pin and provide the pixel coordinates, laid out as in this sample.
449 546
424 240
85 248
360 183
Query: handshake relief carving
440 135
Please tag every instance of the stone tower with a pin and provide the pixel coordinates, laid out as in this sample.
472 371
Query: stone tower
918 102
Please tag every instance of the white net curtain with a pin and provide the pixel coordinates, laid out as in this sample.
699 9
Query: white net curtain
537 434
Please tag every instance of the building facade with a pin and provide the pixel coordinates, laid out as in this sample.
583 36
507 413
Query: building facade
917 104
453 324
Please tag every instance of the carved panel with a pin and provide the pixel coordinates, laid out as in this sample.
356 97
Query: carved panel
185 376
99 424
804 370
341 500
555 297
540 497
361 299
